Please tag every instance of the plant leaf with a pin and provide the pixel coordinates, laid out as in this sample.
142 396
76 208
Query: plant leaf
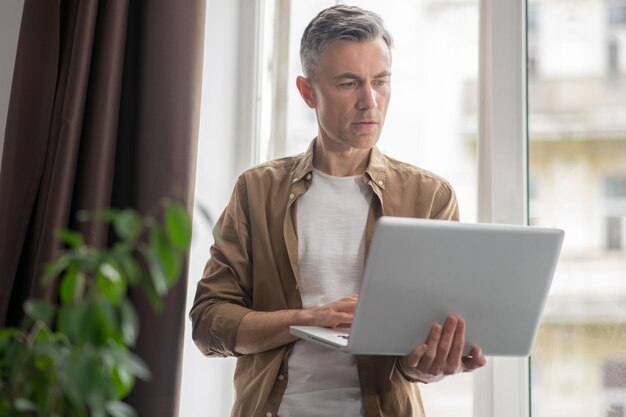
128 266
76 322
72 238
127 224
77 377
130 323
153 298
167 255
136 366
178 225
156 273
110 282
24 405
122 380
72 285
119 409
39 310
57 266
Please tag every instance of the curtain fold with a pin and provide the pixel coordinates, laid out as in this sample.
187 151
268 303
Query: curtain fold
104 112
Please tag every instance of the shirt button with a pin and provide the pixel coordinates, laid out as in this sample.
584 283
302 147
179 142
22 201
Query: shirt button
381 183
281 377
308 177
292 196
268 414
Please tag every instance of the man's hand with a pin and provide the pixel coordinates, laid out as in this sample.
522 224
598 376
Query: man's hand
260 331
332 315
442 353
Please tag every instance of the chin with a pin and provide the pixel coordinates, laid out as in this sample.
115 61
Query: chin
364 143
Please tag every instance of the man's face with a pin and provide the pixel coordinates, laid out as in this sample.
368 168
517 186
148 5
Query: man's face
350 93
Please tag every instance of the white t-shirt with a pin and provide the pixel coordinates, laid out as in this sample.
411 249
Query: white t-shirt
331 221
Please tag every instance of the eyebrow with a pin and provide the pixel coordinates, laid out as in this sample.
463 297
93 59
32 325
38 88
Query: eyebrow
353 76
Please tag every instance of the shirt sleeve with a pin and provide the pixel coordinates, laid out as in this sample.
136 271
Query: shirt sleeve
223 294
445 205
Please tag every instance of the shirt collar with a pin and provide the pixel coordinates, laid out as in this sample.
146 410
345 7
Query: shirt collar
305 164
376 170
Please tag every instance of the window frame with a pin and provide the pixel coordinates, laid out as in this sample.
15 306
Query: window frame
502 388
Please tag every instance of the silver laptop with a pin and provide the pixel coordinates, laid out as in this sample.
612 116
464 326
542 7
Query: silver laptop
496 277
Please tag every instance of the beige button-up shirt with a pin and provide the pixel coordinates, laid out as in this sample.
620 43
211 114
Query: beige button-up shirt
254 266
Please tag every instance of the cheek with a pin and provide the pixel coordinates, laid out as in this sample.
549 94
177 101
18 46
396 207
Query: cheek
328 113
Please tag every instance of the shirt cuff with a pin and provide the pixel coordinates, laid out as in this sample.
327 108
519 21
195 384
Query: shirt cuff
415 375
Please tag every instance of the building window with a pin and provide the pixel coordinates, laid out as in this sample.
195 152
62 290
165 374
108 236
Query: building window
616 411
613 58
615 213
616 40
614 387
615 187
614 238
614 374
617 14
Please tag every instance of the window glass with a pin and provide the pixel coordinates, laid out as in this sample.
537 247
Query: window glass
431 121
577 169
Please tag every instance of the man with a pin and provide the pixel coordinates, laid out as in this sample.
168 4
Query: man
290 246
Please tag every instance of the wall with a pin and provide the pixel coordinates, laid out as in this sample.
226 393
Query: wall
206 388
10 18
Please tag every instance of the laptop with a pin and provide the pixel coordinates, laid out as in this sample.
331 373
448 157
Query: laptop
418 271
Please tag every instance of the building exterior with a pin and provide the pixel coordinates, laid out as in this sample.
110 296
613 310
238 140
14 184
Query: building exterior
577 164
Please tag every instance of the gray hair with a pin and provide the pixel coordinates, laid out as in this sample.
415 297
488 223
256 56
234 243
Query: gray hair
339 22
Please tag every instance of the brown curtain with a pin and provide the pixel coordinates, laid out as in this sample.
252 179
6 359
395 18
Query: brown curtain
103 112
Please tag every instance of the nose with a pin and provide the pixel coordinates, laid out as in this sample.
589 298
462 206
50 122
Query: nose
367 98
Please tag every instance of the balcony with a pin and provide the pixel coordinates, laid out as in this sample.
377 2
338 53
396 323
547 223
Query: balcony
577 108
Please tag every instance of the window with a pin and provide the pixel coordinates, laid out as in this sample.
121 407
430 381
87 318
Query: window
444 32
578 155
614 387
435 67
615 188
617 14
616 38
615 212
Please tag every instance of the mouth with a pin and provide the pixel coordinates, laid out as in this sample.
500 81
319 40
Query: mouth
365 123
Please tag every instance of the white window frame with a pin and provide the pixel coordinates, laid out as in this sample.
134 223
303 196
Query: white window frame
502 388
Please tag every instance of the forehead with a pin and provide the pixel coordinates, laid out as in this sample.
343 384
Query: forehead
360 58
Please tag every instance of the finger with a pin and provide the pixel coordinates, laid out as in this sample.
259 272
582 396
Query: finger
339 318
427 359
454 363
475 360
416 355
440 363
345 306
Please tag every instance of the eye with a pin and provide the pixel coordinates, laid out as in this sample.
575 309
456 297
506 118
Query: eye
348 85
380 83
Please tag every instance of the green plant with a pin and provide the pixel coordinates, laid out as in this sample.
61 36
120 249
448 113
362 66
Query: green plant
75 359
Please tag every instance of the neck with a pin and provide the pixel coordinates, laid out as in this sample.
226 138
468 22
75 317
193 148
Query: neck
340 161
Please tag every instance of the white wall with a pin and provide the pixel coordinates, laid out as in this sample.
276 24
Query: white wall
10 18
206 388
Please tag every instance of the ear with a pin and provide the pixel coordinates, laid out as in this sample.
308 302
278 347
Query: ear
306 91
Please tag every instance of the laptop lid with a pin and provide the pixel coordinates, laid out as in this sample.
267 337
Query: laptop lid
497 277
